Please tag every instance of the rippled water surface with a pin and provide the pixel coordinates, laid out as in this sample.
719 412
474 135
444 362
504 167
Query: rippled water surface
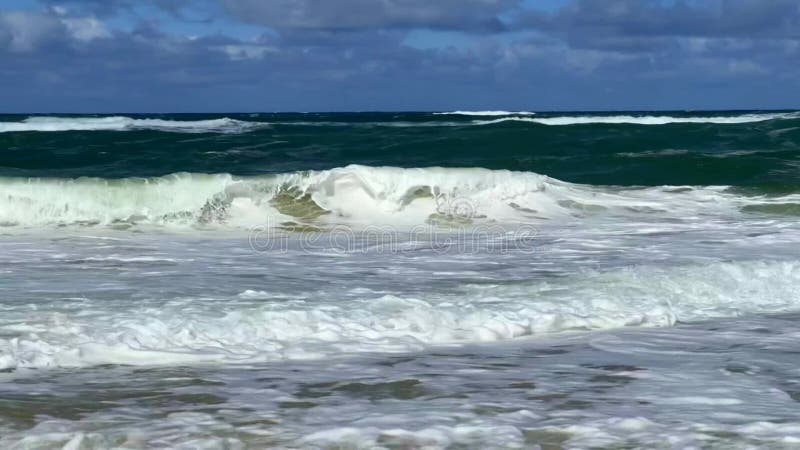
400 280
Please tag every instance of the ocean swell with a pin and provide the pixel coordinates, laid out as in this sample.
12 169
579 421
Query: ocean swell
641 120
353 195
122 123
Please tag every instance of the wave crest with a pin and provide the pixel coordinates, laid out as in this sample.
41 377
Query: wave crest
352 195
641 120
123 123
259 326
485 113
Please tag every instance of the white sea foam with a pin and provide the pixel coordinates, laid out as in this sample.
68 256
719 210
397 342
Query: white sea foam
641 120
228 125
251 328
435 437
654 153
353 195
122 123
486 113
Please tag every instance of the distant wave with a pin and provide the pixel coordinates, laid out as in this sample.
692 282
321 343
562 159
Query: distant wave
641 120
122 123
352 195
486 113
229 125
654 153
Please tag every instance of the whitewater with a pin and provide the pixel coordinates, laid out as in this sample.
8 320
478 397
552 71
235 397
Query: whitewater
123 123
354 195
231 125
274 281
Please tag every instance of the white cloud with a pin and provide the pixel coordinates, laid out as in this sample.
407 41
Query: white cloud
86 29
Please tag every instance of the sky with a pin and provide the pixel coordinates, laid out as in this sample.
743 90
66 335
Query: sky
397 55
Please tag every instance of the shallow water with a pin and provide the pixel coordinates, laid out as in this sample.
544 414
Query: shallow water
178 340
726 384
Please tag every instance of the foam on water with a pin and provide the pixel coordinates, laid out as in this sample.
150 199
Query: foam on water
486 113
229 125
726 384
40 201
122 123
641 120
358 195
139 312
258 326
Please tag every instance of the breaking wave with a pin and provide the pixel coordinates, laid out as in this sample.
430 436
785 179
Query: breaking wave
230 125
122 123
486 113
642 120
353 195
258 326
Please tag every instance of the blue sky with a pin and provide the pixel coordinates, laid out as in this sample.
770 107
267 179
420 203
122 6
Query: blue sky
331 55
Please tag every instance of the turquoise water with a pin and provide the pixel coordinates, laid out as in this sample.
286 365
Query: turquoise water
760 153
400 280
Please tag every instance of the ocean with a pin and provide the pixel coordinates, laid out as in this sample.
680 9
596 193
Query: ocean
465 279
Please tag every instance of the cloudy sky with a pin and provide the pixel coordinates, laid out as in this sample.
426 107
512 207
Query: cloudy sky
330 55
